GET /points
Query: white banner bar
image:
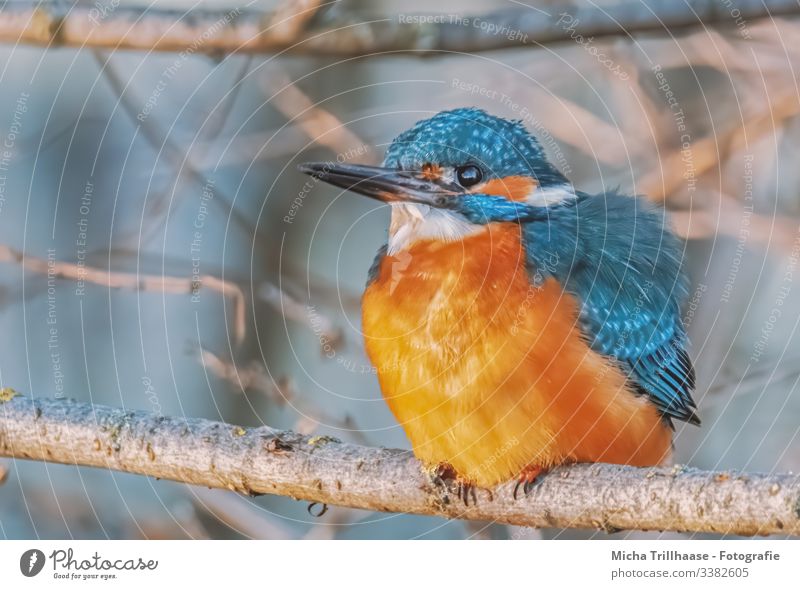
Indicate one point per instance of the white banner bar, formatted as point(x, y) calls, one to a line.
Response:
point(401, 564)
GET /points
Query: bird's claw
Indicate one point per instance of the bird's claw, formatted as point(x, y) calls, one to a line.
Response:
point(445, 476)
point(528, 479)
point(466, 490)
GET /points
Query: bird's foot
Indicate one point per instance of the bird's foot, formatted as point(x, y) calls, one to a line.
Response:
point(528, 479)
point(445, 476)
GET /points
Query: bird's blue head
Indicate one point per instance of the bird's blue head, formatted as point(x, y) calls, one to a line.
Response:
point(454, 172)
point(453, 139)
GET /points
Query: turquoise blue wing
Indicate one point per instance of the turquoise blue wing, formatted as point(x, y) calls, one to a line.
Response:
point(617, 257)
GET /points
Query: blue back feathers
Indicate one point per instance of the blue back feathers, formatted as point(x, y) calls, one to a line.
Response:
point(617, 256)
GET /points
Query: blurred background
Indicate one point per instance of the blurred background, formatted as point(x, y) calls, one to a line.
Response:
point(135, 183)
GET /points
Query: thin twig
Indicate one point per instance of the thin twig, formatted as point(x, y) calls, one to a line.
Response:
point(80, 274)
point(240, 516)
point(177, 157)
point(281, 392)
point(319, 124)
point(330, 336)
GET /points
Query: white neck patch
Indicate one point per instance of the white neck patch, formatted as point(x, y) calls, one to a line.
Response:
point(550, 195)
point(413, 222)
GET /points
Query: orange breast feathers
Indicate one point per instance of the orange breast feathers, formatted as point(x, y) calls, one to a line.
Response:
point(489, 372)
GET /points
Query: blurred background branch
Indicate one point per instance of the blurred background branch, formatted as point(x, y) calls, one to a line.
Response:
point(80, 274)
point(289, 29)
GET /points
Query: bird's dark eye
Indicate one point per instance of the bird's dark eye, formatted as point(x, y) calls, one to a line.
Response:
point(468, 175)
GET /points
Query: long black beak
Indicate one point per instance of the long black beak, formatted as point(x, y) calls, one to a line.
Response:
point(384, 184)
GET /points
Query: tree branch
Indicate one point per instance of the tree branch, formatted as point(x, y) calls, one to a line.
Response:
point(264, 460)
point(208, 31)
point(280, 301)
point(82, 274)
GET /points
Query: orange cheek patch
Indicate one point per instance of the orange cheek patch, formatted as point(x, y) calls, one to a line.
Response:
point(431, 171)
point(516, 188)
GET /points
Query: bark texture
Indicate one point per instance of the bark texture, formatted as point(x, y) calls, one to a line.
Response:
point(324, 470)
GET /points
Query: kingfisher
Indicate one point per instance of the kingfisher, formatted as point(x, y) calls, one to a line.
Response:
point(516, 323)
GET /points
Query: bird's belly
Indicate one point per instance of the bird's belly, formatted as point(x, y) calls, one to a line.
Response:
point(488, 372)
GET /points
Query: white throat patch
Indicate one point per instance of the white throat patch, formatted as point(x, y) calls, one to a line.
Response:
point(413, 222)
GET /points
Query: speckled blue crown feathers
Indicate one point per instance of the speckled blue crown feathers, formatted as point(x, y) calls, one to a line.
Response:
point(501, 147)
